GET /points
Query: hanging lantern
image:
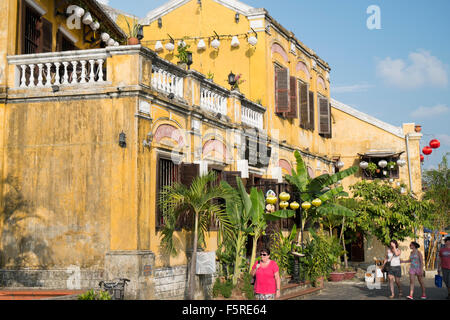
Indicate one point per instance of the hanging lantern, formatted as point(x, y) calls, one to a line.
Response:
point(422, 158)
point(201, 45)
point(105, 37)
point(235, 42)
point(294, 205)
point(76, 10)
point(435, 143)
point(181, 43)
point(116, 44)
point(284, 204)
point(170, 46)
point(363, 165)
point(94, 25)
point(87, 18)
point(284, 196)
point(401, 163)
point(340, 164)
point(253, 40)
point(215, 43)
point(316, 202)
point(306, 205)
point(158, 46)
point(427, 150)
point(111, 42)
point(271, 199)
point(382, 164)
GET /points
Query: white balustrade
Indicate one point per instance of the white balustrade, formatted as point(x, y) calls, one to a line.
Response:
point(167, 82)
point(252, 117)
point(213, 101)
point(60, 68)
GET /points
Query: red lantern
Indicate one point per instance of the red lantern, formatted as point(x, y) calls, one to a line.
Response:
point(427, 150)
point(422, 158)
point(435, 143)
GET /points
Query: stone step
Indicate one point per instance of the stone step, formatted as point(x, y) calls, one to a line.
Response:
point(300, 293)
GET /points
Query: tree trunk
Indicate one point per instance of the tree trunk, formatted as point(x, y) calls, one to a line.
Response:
point(191, 285)
point(343, 243)
point(237, 260)
point(253, 257)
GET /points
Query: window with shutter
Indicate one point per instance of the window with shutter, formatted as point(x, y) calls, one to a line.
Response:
point(30, 29)
point(311, 122)
point(324, 117)
point(46, 38)
point(168, 175)
point(304, 105)
point(293, 98)
point(63, 43)
point(281, 90)
point(230, 177)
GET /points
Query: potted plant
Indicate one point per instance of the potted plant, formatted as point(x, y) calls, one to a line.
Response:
point(336, 251)
point(391, 165)
point(418, 128)
point(133, 31)
point(183, 54)
point(210, 76)
point(372, 168)
point(349, 273)
point(237, 83)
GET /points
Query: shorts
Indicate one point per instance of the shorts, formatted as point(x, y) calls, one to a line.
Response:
point(395, 271)
point(417, 272)
point(446, 276)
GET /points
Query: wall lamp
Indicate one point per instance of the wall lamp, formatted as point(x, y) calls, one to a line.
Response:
point(148, 142)
point(160, 22)
point(236, 17)
point(231, 79)
point(140, 34)
point(171, 95)
point(189, 59)
point(122, 140)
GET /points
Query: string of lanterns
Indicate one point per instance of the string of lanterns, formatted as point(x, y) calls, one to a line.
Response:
point(201, 44)
point(284, 197)
point(427, 150)
point(87, 19)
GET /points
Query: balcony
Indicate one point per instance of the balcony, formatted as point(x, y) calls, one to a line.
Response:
point(132, 68)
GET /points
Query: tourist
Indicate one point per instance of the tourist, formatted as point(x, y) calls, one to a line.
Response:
point(392, 262)
point(415, 269)
point(267, 284)
point(444, 264)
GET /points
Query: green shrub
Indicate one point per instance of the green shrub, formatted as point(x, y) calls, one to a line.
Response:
point(247, 287)
point(280, 251)
point(93, 295)
point(222, 288)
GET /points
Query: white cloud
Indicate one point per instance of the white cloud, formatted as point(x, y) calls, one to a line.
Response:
point(103, 1)
point(351, 88)
point(421, 69)
point(424, 112)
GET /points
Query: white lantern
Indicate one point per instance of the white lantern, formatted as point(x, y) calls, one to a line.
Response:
point(253, 40)
point(95, 25)
point(170, 46)
point(382, 164)
point(235, 42)
point(401, 162)
point(116, 44)
point(182, 43)
point(201, 45)
point(215, 43)
point(402, 190)
point(363, 164)
point(391, 180)
point(87, 18)
point(158, 46)
point(105, 37)
point(340, 164)
point(111, 42)
point(76, 10)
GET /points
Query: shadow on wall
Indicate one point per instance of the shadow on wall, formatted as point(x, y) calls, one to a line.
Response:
point(20, 246)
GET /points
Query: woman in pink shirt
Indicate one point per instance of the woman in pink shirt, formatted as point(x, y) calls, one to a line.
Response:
point(267, 284)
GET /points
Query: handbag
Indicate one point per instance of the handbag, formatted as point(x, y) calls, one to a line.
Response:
point(438, 280)
point(387, 265)
point(254, 277)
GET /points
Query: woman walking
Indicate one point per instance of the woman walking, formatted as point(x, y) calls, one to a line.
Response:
point(416, 269)
point(267, 284)
point(394, 270)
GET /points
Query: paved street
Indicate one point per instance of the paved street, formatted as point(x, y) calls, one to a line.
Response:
point(357, 290)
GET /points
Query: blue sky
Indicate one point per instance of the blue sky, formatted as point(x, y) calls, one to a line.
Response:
point(399, 73)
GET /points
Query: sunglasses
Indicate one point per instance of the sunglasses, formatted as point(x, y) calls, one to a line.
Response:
point(264, 254)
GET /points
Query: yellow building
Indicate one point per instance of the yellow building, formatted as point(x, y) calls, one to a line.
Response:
point(91, 131)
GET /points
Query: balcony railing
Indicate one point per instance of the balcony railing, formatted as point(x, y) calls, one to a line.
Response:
point(60, 68)
point(252, 114)
point(212, 100)
point(166, 79)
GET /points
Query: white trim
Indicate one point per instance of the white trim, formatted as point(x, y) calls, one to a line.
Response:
point(398, 131)
point(67, 34)
point(36, 7)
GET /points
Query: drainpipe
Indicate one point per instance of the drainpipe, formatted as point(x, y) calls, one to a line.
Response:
point(410, 176)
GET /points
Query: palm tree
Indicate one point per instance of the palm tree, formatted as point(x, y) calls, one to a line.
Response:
point(192, 203)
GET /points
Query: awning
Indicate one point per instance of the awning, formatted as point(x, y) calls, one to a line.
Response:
point(380, 154)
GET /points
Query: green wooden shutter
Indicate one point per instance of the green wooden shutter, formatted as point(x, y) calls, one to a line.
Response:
point(304, 110)
point(324, 117)
point(311, 122)
point(281, 90)
point(293, 105)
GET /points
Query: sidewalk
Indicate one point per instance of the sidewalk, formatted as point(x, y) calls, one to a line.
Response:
point(357, 290)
